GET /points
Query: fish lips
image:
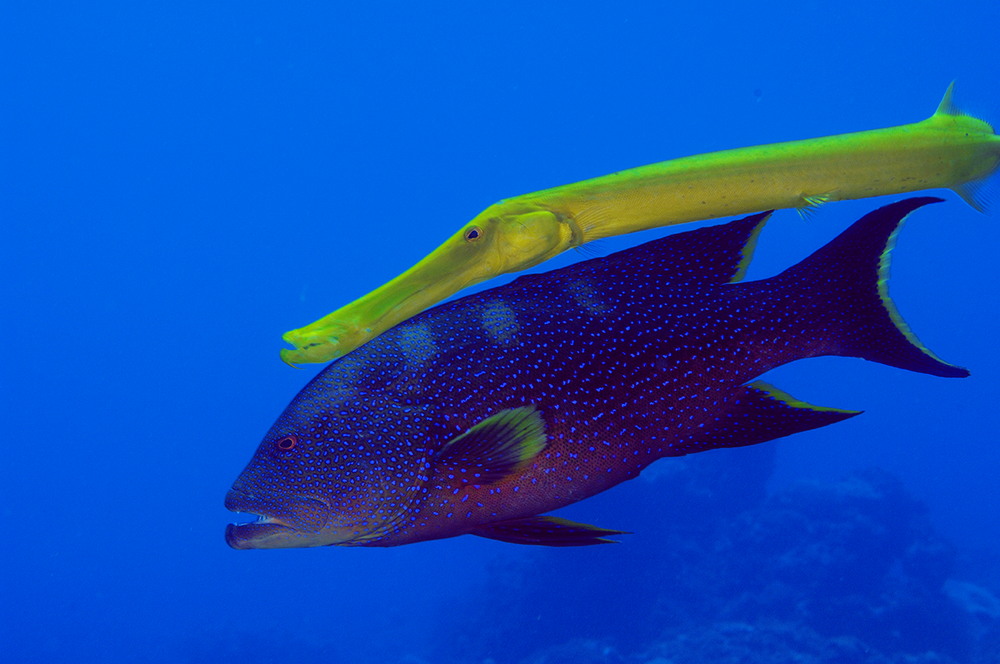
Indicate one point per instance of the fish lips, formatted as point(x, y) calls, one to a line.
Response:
point(258, 535)
point(291, 522)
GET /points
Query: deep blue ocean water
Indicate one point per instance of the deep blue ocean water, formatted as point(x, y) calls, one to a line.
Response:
point(183, 182)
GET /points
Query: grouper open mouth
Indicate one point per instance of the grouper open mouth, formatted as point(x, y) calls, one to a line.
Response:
point(303, 517)
point(247, 535)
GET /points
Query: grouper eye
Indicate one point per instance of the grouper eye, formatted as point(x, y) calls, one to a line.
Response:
point(287, 443)
point(473, 234)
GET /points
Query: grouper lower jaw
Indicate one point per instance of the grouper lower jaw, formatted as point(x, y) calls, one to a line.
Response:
point(261, 535)
point(297, 522)
point(268, 534)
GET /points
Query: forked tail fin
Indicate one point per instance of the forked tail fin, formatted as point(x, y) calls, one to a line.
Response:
point(843, 288)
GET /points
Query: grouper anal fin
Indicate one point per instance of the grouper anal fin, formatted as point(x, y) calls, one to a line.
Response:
point(756, 413)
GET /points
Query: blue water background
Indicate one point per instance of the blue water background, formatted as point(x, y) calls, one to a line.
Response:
point(182, 182)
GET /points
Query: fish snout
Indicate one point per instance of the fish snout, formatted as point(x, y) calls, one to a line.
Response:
point(281, 522)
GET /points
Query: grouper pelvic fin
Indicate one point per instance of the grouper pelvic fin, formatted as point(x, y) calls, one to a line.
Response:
point(494, 448)
point(756, 413)
point(547, 531)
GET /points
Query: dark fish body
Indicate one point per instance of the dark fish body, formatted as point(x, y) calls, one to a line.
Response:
point(481, 415)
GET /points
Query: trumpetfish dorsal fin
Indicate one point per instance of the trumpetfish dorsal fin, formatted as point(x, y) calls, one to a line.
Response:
point(947, 106)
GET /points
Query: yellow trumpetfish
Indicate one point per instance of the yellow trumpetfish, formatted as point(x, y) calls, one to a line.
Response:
point(947, 150)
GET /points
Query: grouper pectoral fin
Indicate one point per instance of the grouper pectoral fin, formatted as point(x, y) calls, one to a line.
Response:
point(547, 531)
point(494, 448)
point(756, 413)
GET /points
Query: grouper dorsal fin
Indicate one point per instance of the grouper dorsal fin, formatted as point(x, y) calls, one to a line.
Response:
point(494, 448)
point(715, 254)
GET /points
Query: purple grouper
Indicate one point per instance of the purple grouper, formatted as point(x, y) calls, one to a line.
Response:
point(481, 415)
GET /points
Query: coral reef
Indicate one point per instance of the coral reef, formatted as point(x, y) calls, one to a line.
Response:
point(722, 572)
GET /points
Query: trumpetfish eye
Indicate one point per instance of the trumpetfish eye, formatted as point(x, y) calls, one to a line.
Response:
point(287, 443)
point(473, 234)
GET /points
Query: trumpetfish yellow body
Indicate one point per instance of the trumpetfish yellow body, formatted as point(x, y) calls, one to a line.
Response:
point(947, 150)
